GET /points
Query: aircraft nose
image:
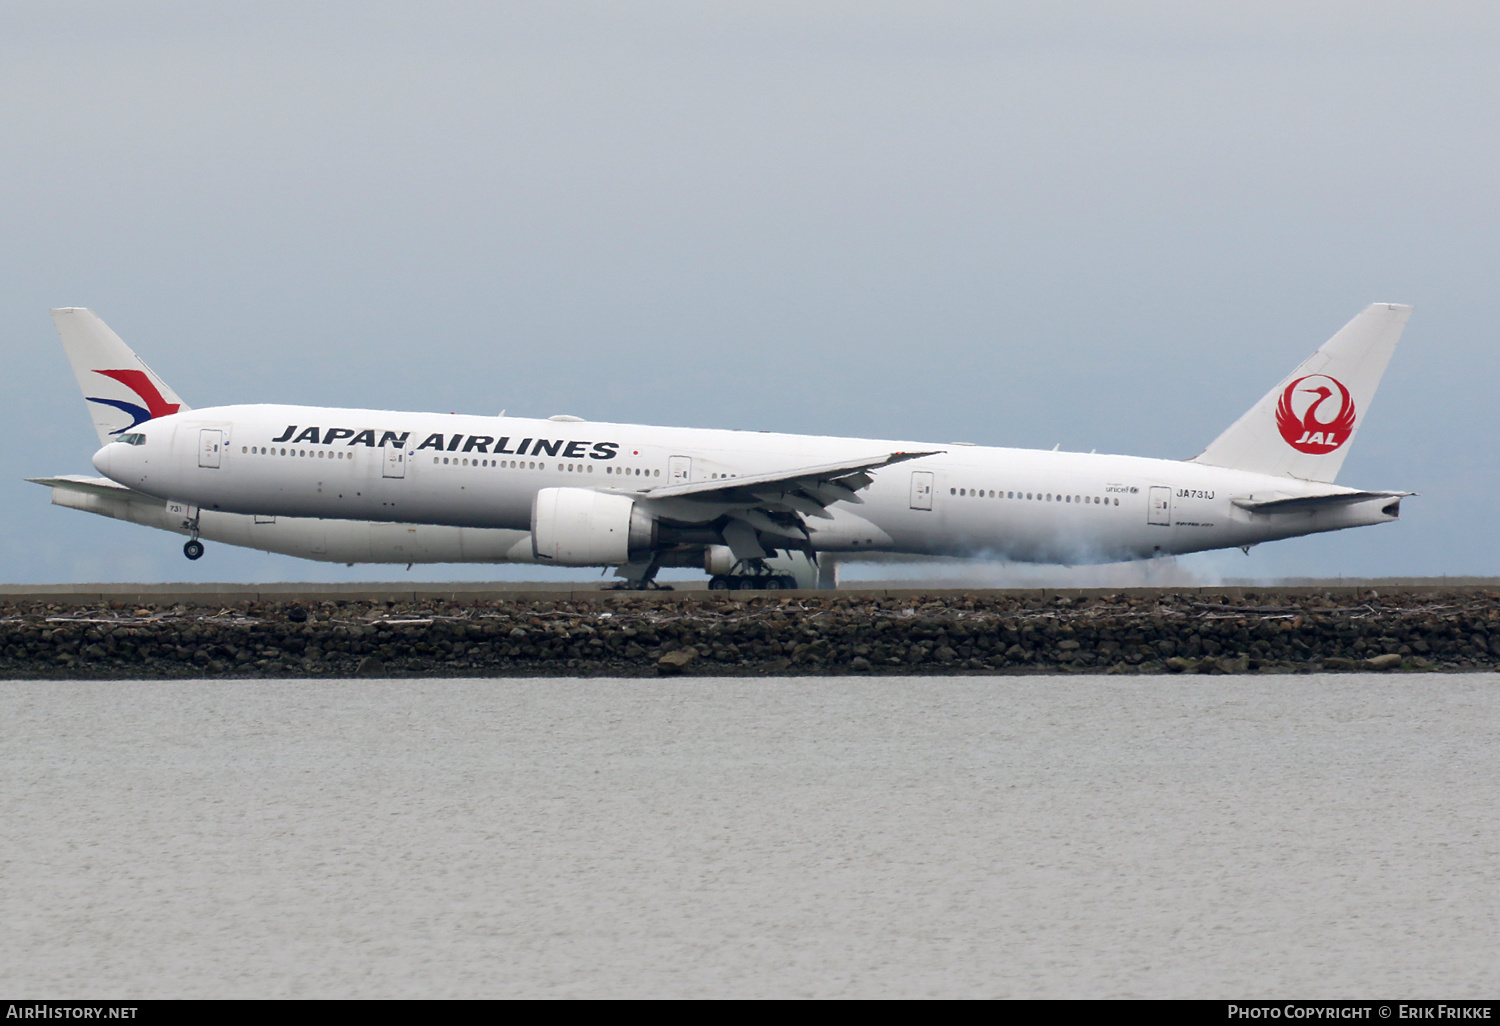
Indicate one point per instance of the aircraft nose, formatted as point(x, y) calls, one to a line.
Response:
point(101, 459)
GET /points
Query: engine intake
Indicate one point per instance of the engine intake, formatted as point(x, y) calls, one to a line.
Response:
point(582, 527)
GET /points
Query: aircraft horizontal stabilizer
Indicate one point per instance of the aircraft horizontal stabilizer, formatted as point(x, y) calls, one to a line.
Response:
point(78, 483)
point(1305, 503)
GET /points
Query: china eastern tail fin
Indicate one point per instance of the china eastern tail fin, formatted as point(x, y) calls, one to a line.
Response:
point(1303, 427)
point(121, 391)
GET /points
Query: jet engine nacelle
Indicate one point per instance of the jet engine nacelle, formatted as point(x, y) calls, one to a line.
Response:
point(582, 527)
point(719, 560)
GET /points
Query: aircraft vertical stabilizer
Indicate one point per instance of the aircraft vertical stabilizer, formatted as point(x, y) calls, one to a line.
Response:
point(121, 391)
point(1304, 426)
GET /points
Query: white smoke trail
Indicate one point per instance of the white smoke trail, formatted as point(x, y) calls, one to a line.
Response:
point(1200, 570)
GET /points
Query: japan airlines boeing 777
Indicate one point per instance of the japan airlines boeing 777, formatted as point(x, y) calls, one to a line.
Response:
point(639, 498)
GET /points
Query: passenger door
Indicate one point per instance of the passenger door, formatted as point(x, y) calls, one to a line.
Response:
point(680, 468)
point(921, 489)
point(1160, 510)
point(395, 461)
point(210, 447)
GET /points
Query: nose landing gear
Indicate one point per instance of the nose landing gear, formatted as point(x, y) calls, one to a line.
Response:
point(192, 548)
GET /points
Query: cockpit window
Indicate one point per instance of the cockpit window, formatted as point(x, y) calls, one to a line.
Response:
point(133, 439)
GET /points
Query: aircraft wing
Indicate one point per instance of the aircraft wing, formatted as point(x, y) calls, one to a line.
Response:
point(1308, 503)
point(848, 476)
point(773, 504)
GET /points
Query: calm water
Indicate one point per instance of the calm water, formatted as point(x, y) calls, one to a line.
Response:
point(1221, 836)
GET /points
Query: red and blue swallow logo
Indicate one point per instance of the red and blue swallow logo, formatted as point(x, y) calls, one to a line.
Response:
point(141, 385)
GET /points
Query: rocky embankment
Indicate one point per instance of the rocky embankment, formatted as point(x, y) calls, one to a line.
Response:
point(819, 633)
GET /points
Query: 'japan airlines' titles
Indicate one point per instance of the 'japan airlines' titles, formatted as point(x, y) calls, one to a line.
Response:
point(439, 442)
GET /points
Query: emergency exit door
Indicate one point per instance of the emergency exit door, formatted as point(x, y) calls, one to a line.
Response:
point(921, 489)
point(680, 469)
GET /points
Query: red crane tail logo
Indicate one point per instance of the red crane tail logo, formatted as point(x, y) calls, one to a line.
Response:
point(1303, 405)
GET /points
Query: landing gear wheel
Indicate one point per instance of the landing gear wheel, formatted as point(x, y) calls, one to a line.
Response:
point(718, 582)
point(193, 549)
point(788, 582)
point(770, 583)
point(746, 583)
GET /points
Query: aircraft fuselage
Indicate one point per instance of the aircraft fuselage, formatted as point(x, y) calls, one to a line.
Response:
point(474, 471)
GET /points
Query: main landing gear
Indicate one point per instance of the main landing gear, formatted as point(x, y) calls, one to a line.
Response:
point(752, 575)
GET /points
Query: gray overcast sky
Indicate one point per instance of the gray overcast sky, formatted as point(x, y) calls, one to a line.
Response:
point(1107, 226)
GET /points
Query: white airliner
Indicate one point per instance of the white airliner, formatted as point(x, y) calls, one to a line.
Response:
point(567, 492)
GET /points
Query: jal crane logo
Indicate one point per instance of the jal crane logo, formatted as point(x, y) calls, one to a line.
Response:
point(1314, 417)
